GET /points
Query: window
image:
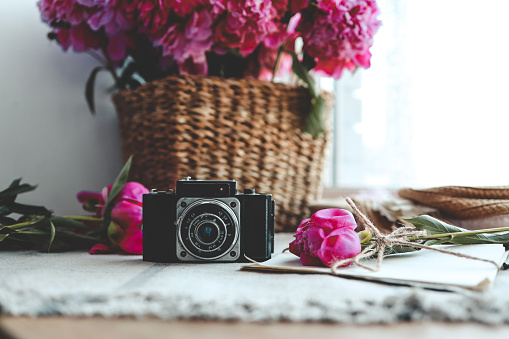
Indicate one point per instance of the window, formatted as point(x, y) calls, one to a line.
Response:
point(433, 108)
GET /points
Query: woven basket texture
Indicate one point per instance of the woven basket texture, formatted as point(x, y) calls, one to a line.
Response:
point(214, 128)
point(462, 202)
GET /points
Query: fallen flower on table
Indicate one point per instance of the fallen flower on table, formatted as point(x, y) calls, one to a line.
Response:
point(329, 235)
point(327, 238)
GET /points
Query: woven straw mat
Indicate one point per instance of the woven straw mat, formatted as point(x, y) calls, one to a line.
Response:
point(462, 202)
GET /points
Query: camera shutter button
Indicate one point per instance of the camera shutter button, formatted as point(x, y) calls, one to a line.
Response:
point(249, 191)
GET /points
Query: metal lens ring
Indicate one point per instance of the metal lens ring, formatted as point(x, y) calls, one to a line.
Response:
point(207, 232)
point(208, 229)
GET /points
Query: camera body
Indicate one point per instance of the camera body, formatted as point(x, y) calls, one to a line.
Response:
point(207, 221)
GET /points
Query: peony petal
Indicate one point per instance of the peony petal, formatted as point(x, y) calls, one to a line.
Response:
point(308, 260)
point(91, 201)
point(131, 191)
point(363, 60)
point(127, 215)
point(334, 218)
point(295, 248)
point(132, 242)
point(117, 47)
point(85, 196)
point(102, 249)
point(101, 18)
point(314, 237)
point(302, 225)
point(129, 240)
point(294, 22)
point(340, 244)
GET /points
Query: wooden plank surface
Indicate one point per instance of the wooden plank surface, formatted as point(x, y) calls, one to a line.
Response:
point(127, 328)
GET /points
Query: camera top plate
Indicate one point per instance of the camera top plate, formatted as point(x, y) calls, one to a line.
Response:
point(206, 188)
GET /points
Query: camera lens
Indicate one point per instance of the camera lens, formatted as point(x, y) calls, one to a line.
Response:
point(208, 229)
point(207, 233)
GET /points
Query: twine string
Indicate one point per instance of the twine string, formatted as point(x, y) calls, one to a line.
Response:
point(381, 241)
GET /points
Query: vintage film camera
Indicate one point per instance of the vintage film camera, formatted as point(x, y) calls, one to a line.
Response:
point(207, 220)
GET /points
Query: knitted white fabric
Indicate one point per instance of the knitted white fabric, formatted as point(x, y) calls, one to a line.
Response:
point(80, 284)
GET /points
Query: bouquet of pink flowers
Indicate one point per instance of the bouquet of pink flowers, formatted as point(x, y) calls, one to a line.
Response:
point(142, 40)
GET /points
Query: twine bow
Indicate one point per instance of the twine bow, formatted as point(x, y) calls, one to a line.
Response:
point(381, 241)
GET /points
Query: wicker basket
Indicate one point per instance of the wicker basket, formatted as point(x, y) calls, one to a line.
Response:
point(215, 128)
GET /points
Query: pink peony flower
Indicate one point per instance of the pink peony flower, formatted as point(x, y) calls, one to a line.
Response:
point(338, 34)
point(185, 7)
point(64, 11)
point(80, 38)
point(327, 237)
point(246, 24)
point(111, 18)
point(88, 24)
point(124, 231)
point(189, 40)
point(149, 15)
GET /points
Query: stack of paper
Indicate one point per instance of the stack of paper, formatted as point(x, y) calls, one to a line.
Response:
point(424, 268)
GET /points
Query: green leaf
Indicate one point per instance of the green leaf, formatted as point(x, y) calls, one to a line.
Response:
point(395, 249)
point(117, 186)
point(76, 236)
point(456, 235)
point(16, 182)
point(3, 237)
point(300, 70)
point(9, 194)
point(315, 124)
point(62, 222)
point(29, 209)
point(32, 231)
point(7, 220)
point(89, 87)
point(308, 61)
point(52, 234)
point(127, 74)
point(437, 241)
point(433, 226)
point(500, 238)
point(27, 223)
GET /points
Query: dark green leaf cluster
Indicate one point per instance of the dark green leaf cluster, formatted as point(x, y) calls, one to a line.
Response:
point(25, 226)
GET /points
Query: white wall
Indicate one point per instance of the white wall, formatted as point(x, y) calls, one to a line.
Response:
point(47, 135)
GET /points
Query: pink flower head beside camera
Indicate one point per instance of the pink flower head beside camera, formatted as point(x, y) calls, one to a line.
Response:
point(327, 237)
point(124, 231)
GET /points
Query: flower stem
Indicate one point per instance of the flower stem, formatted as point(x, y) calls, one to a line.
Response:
point(460, 234)
point(83, 218)
point(111, 68)
point(22, 224)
